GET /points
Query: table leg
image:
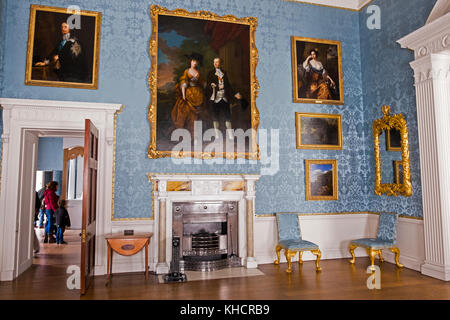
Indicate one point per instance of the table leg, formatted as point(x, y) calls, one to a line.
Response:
point(110, 264)
point(146, 260)
point(107, 265)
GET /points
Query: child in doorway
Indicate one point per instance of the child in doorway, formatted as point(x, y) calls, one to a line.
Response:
point(62, 221)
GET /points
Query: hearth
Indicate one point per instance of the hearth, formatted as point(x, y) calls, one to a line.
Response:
point(208, 234)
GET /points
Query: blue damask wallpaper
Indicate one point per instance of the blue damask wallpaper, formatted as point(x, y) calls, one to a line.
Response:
point(388, 79)
point(50, 154)
point(2, 48)
point(125, 63)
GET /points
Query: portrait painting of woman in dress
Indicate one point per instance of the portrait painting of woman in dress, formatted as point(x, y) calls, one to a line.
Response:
point(190, 101)
point(203, 81)
point(317, 71)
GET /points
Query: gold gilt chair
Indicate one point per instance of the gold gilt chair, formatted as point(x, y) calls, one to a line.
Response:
point(386, 239)
point(290, 239)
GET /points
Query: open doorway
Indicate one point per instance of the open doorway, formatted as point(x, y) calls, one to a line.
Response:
point(60, 159)
point(24, 121)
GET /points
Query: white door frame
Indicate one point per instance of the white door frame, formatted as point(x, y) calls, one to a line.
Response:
point(22, 114)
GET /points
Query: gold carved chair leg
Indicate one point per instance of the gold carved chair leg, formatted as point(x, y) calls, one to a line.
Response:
point(300, 253)
point(372, 253)
point(397, 256)
point(352, 252)
point(318, 254)
point(380, 256)
point(289, 255)
point(277, 250)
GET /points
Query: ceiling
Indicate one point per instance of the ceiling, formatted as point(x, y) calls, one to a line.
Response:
point(344, 4)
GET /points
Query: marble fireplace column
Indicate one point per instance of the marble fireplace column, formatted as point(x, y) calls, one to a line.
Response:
point(250, 197)
point(162, 266)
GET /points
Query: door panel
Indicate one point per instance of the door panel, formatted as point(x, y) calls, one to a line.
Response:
point(88, 224)
point(25, 228)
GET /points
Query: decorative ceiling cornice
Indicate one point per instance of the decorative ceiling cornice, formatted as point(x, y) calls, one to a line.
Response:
point(433, 37)
point(353, 5)
point(441, 8)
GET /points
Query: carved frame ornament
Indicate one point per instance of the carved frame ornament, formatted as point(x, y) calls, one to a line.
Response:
point(252, 22)
point(385, 123)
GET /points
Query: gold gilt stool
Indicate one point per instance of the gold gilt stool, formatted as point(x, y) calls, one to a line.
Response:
point(290, 239)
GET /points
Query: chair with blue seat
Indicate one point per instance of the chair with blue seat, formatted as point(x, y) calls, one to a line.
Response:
point(386, 239)
point(290, 239)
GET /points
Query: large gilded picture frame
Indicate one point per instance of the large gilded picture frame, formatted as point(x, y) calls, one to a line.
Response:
point(63, 47)
point(321, 179)
point(318, 131)
point(317, 71)
point(186, 49)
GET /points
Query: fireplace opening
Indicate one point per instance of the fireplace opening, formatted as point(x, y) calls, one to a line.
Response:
point(208, 232)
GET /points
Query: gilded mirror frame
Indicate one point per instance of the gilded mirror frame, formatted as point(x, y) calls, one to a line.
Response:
point(252, 22)
point(385, 123)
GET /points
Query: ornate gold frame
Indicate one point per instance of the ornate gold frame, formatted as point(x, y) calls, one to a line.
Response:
point(385, 123)
point(295, 71)
point(153, 153)
point(30, 49)
point(308, 180)
point(298, 126)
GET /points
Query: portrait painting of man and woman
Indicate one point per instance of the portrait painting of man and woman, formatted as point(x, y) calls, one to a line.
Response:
point(203, 85)
point(317, 71)
point(63, 47)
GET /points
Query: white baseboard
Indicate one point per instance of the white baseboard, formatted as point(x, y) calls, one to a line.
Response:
point(24, 266)
point(436, 271)
point(307, 256)
point(332, 233)
point(7, 275)
point(409, 262)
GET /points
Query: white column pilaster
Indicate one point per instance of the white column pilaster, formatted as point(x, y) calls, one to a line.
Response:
point(250, 261)
point(432, 82)
point(162, 266)
point(431, 46)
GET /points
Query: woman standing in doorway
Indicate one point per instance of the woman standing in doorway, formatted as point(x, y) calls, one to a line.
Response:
point(51, 204)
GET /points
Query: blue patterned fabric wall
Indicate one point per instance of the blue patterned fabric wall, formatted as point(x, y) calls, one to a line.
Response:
point(124, 67)
point(388, 80)
point(50, 154)
point(2, 48)
point(124, 64)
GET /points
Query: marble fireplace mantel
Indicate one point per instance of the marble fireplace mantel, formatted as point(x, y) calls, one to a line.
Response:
point(170, 188)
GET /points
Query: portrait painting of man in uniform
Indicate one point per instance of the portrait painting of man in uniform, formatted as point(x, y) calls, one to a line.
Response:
point(202, 85)
point(317, 71)
point(63, 47)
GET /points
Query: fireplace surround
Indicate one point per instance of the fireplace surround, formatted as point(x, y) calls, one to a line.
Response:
point(203, 209)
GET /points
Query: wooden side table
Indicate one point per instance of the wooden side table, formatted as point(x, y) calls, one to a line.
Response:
point(126, 246)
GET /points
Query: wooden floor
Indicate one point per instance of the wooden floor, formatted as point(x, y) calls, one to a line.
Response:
point(46, 279)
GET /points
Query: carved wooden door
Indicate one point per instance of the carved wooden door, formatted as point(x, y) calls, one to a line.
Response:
point(88, 223)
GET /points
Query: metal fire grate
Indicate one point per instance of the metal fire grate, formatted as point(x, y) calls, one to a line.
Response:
point(208, 234)
point(205, 240)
